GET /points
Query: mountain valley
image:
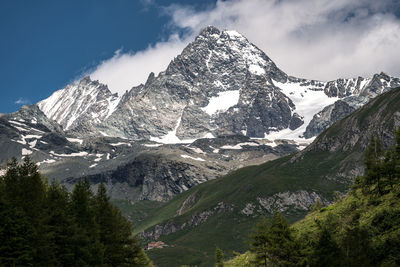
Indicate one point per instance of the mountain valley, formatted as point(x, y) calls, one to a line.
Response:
point(203, 149)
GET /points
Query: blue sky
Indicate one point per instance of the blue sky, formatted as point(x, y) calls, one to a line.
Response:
point(48, 44)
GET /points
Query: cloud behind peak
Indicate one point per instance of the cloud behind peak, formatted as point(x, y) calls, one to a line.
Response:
point(319, 39)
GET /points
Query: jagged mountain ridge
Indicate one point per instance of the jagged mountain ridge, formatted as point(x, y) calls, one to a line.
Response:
point(220, 84)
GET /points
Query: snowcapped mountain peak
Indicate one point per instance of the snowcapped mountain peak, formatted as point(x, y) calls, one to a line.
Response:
point(218, 85)
point(221, 84)
point(82, 100)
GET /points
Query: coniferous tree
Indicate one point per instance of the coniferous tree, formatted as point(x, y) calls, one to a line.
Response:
point(356, 246)
point(115, 232)
point(283, 250)
point(373, 160)
point(15, 248)
point(396, 158)
point(25, 189)
point(273, 242)
point(106, 219)
point(61, 224)
point(219, 257)
point(326, 252)
point(397, 145)
point(87, 246)
point(259, 243)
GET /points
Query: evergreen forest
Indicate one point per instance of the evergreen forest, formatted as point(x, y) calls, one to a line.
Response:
point(43, 224)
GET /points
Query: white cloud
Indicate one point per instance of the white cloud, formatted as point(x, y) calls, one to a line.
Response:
point(319, 39)
point(123, 71)
point(22, 101)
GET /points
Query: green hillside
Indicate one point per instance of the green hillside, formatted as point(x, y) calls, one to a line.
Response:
point(211, 214)
point(364, 227)
point(361, 229)
point(229, 229)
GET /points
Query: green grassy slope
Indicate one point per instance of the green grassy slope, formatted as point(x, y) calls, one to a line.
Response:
point(229, 230)
point(321, 168)
point(379, 215)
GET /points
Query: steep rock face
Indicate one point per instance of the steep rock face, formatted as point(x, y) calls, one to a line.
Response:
point(284, 202)
point(32, 116)
point(345, 87)
point(327, 117)
point(220, 84)
point(195, 220)
point(299, 200)
point(154, 177)
point(83, 101)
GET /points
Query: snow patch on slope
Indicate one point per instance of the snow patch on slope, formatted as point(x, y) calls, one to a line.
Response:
point(189, 157)
point(152, 145)
point(26, 152)
point(235, 34)
point(256, 69)
point(121, 144)
point(77, 154)
point(47, 161)
point(171, 138)
point(222, 102)
point(308, 103)
point(75, 140)
point(239, 146)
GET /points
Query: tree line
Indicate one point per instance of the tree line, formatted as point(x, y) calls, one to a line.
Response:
point(43, 224)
